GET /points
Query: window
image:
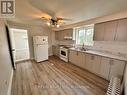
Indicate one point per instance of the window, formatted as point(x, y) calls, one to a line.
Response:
point(84, 35)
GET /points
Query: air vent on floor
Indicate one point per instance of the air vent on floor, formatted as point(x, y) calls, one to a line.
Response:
point(114, 86)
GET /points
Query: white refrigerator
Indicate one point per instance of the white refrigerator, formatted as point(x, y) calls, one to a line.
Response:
point(40, 48)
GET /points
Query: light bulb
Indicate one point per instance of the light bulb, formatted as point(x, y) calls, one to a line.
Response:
point(48, 23)
point(57, 26)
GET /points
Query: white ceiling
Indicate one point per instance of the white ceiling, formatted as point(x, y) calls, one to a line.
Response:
point(28, 11)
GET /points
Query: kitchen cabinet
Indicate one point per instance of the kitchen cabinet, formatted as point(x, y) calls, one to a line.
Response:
point(101, 66)
point(116, 68)
point(110, 29)
point(60, 35)
point(93, 63)
point(99, 32)
point(115, 30)
point(121, 34)
point(72, 56)
point(77, 58)
point(105, 31)
point(105, 68)
point(56, 50)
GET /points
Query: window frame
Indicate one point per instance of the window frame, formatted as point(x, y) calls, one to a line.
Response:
point(76, 34)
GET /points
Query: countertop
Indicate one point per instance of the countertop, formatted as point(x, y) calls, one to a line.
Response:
point(101, 54)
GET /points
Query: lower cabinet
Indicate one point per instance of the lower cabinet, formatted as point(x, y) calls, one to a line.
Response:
point(101, 66)
point(77, 58)
point(116, 68)
point(111, 67)
point(93, 63)
point(56, 50)
point(105, 68)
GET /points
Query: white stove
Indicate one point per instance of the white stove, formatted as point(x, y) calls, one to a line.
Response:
point(64, 53)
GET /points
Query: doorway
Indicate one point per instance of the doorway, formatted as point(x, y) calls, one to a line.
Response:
point(20, 45)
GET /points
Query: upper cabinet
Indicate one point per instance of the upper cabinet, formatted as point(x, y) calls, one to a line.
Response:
point(110, 30)
point(99, 32)
point(115, 30)
point(121, 34)
point(64, 34)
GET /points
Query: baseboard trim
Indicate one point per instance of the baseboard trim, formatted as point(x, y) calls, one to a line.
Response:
point(10, 83)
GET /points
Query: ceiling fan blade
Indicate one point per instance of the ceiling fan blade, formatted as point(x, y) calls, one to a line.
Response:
point(67, 19)
point(44, 18)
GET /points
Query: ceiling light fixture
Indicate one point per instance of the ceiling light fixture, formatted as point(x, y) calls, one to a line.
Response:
point(57, 25)
point(53, 23)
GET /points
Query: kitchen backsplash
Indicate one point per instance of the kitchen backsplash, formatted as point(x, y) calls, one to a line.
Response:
point(117, 48)
point(113, 47)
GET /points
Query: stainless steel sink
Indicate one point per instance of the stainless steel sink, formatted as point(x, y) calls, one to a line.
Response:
point(83, 49)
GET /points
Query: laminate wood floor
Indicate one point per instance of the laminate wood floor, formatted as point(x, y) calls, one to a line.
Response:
point(55, 77)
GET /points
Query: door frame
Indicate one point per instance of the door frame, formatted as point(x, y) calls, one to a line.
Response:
point(10, 47)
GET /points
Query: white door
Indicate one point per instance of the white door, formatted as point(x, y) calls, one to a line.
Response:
point(41, 52)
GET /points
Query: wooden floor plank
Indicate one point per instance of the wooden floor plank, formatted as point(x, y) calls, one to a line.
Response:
point(55, 77)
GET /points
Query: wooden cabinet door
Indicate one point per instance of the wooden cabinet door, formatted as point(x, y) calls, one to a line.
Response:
point(121, 34)
point(110, 28)
point(83, 60)
point(105, 68)
point(93, 63)
point(77, 58)
point(69, 32)
point(80, 59)
point(117, 68)
point(60, 35)
point(89, 63)
point(99, 32)
point(72, 56)
point(96, 64)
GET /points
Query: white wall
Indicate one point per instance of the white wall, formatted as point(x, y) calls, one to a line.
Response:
point(34, 31)
point(5, 63)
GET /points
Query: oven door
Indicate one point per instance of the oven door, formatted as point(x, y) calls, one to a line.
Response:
point(64, 52)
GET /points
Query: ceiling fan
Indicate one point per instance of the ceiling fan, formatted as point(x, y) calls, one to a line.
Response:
point(55, 21)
